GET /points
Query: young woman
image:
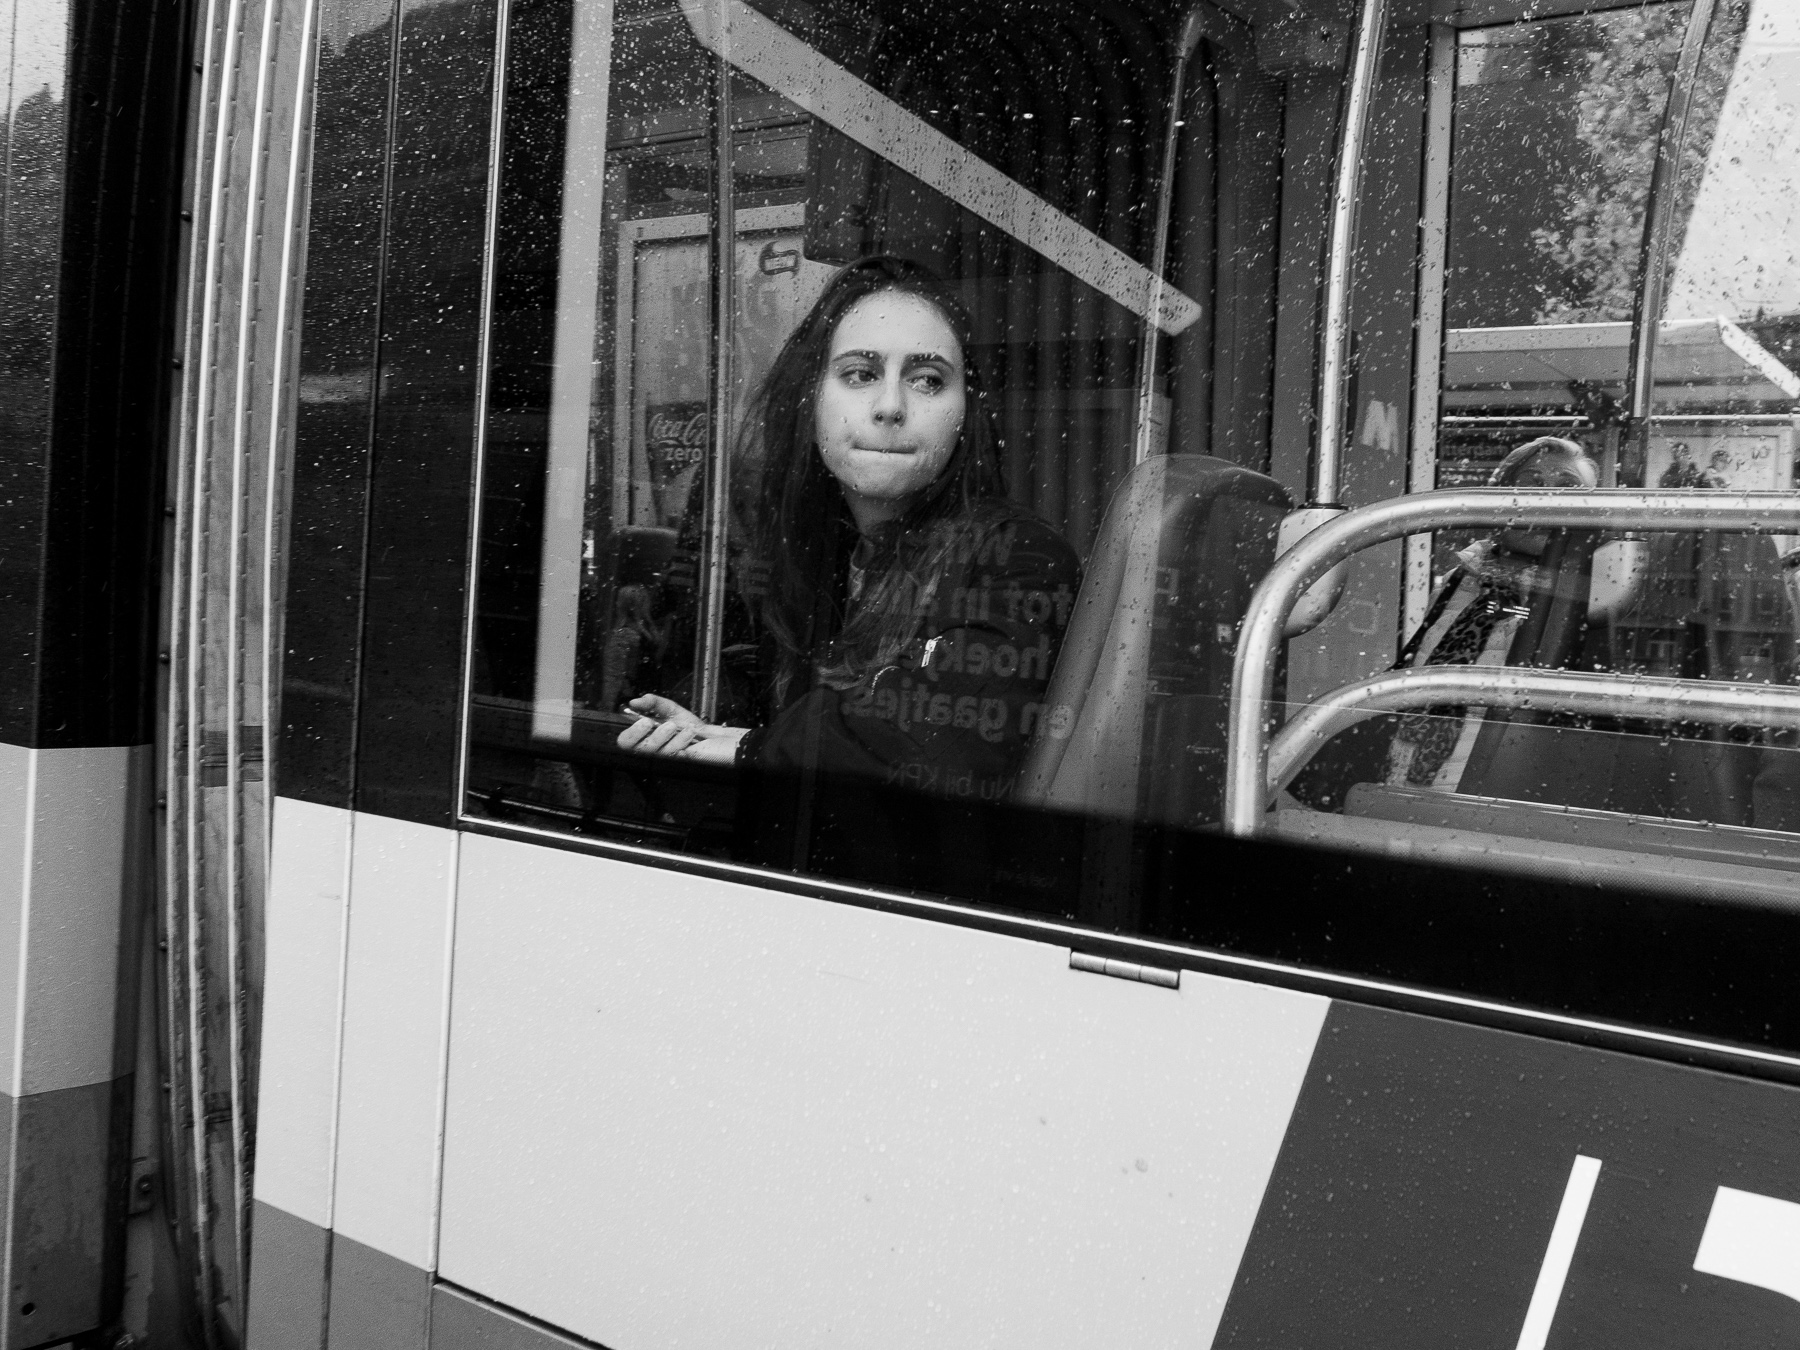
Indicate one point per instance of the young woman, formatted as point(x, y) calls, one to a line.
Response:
point(912, 614)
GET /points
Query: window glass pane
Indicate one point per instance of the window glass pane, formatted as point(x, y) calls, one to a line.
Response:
point(1555, 138)
point(1555, 129)
point(1737, 254)
point(882, 411)
point(857, 560)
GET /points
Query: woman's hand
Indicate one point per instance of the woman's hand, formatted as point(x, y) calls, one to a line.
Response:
point(664, 727)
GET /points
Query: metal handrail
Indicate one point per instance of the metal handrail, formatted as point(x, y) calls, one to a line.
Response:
point(1259, 640)
point(715, 482)
point(1716, 702)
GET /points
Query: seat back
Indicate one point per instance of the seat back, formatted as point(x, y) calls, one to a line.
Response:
point(1136, 720)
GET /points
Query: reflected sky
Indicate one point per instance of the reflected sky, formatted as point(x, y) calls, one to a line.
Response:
point(34, 42)
point(341, 20)
point(1742, 251)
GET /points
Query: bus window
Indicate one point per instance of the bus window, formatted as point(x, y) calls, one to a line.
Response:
point(696, 508)
point(1644, 317)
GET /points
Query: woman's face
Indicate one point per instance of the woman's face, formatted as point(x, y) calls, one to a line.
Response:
point(1552, 469)
point(890, 403)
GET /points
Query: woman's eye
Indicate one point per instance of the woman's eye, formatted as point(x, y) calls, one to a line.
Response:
point(857, 376)
point(927, 381)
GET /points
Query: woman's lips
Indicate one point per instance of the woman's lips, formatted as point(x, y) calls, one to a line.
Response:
point(885, 449)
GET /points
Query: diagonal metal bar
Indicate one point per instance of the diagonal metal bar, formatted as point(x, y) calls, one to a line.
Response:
point(810, 80)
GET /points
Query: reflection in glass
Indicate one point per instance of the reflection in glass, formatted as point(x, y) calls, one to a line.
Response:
point(666, 654)
point(1556, 130)
point(1013, 155)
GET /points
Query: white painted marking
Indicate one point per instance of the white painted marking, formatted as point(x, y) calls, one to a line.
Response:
point(1563, 1236)
point(1753, 1239)
point(836, 97)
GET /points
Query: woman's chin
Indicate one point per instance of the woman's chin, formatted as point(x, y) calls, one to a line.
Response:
point(890, 491)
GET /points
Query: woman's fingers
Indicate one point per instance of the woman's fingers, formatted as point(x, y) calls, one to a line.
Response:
point(662, 734)
point(657, 733)
point(661, 709)
point(658, 738)
point(681, 740)
point(633, 735)
point(659, 721)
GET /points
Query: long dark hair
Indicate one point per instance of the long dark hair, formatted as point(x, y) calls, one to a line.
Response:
point(799, 514)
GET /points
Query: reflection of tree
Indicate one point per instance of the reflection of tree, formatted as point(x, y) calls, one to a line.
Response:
point(1625, 69)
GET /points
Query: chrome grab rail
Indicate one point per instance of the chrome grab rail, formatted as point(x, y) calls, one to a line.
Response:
point(1259, 640)
point(1561, 691)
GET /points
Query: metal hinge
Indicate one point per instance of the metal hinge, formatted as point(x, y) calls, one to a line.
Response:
point(1124, 970)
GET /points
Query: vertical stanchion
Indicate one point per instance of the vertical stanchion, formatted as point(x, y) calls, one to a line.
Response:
point(1659, 225)
point(716, 484)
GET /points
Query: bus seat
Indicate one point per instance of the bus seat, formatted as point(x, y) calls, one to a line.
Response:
point(1136, 721)
point(1684, 773)
point(1564, 763)
point(1550, 637)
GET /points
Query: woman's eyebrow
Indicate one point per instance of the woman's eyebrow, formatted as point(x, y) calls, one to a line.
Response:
point(914, 358)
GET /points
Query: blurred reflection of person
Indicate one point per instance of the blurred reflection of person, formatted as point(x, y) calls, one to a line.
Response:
point(1682, 471)
point(1718, 470)
point(912, 613)
point(1476, 612)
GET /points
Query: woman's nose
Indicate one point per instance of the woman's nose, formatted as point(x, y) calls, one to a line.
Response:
point(890, 404)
